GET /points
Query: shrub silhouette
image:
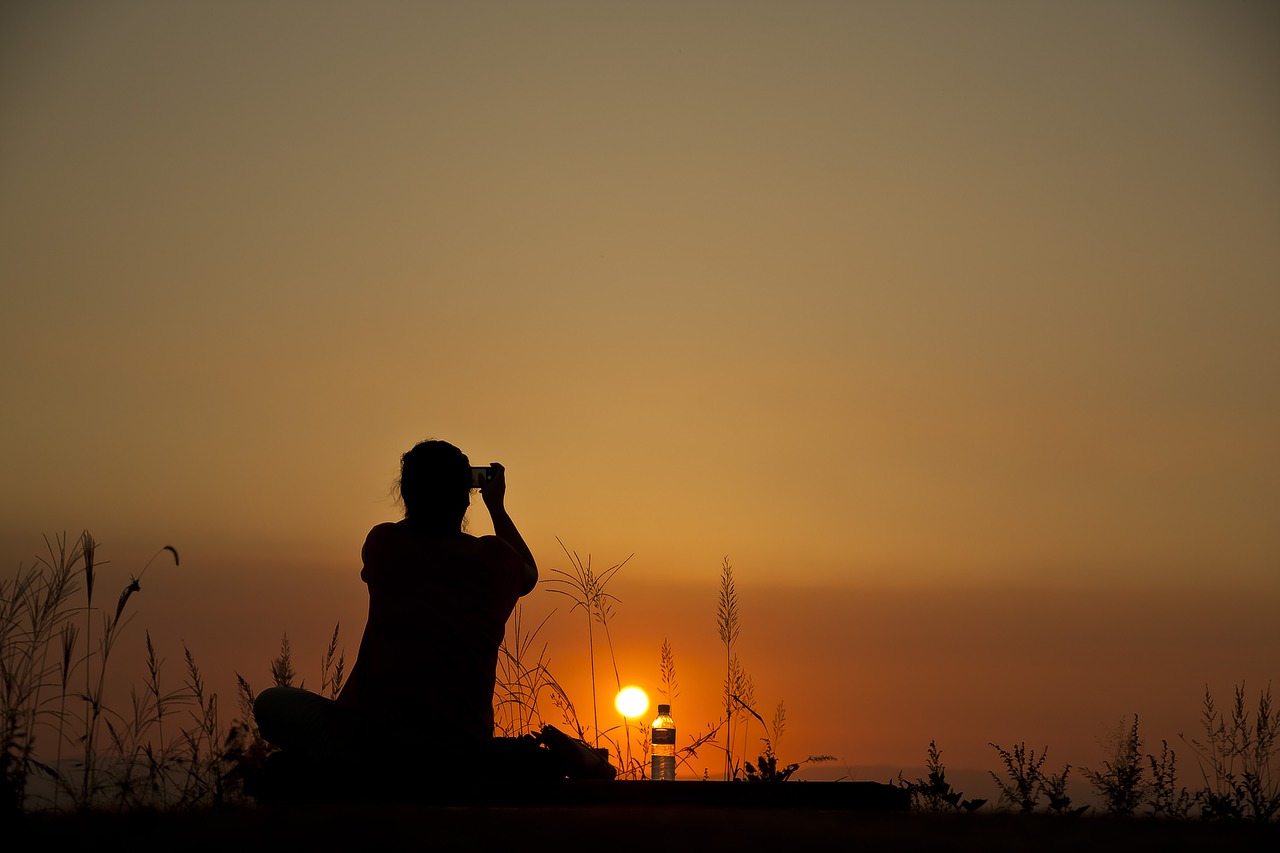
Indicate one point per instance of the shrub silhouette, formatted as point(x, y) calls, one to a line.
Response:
point(1024, 780)
point(1121, 783)
point(935, 794)
point(1237, 759)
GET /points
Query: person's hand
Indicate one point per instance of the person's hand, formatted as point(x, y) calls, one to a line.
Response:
point(494, 490)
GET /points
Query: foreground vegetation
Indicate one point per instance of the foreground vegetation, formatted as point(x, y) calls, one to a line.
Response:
point(170, 750)
point(1236, 758)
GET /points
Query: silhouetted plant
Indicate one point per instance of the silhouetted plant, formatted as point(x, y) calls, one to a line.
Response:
point(206, 753)
point(728, 627)
point(667, 673)
point(766, 767)
point(142, 764)
point(586, 589)
point(1166, 798)
point(38, 620)
point(1237, 760)
point(560, 699)
point(778, 725)
point(282, 671)
point(245, 752)
point(1121, 783)
point(35, 608)
point(95, 690)
point(1055, 788)
point(742, 692)
point(935, 795)
point(332, 666)
point(1024, 780)
point(521, 679)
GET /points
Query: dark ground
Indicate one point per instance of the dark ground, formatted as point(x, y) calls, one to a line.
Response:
point(621, 828)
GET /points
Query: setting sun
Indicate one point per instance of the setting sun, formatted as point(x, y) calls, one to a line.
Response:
point(631, 702)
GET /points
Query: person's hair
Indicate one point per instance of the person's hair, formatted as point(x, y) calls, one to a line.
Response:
point(435, 485)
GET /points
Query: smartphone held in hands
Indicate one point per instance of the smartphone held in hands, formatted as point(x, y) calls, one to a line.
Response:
point(481, 475)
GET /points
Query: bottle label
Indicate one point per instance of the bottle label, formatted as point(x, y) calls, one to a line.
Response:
point(664, 736)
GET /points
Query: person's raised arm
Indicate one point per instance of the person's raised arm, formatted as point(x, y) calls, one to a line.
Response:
point(494, 491)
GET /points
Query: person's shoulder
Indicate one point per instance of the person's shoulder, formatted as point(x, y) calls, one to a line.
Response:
point(498, 550)
point(380, 537)
point(387, 531)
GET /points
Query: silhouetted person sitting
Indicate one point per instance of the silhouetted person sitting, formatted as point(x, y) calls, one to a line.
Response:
point(419, 700)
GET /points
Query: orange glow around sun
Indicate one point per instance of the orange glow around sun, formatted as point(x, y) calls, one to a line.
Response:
point(631, 702)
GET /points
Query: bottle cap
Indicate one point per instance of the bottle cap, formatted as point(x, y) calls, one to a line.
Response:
point(664, 710)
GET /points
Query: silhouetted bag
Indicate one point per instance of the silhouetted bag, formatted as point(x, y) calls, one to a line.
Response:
point(576, 759)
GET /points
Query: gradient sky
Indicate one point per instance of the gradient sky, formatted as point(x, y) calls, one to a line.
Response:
point(928, 315)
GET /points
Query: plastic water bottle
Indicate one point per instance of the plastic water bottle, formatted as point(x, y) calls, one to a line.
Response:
point(664, 745)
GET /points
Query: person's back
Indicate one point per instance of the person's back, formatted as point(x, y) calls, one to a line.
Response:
point(438, 608)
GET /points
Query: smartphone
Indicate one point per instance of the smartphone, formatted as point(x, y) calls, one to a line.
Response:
point(481, 475)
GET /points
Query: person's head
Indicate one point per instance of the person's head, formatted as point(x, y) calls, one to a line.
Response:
point(435, 485)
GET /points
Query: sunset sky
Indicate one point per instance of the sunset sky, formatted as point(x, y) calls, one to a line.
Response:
point(955, 327)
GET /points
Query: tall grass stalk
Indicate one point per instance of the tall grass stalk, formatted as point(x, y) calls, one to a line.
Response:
point(743, 691)
point(204, 753)
point(245, 752)
point(728, 627)
point(34, 607)
point(282, 671)
point(521, 679)
point(112, 626)
point(667, 673)
point(332, 666)
point(586, 589)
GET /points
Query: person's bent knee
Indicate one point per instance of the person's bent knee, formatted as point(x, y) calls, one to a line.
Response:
point(267, 703)
point(294, 718)
point(271, 711)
